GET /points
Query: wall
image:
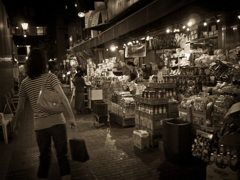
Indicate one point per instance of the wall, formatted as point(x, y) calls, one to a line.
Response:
point(6, 74)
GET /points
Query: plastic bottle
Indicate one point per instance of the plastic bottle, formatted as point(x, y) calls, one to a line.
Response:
point(164, 110)
point(170, 93)
point(221, 149)
point(212, 159)
point(225, 162)
point(218, 162)
point(228, 157)
point(233, 163)
point(156, 110)
point(160, 110)
point(167, 93)
point(174, 92)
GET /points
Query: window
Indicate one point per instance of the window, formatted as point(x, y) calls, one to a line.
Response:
point(32, 12)
point(40, 31)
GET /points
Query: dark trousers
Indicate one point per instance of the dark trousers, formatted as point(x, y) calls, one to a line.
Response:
point(59, 135)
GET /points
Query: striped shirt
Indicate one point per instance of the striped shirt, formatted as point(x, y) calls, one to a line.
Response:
point(31, 87)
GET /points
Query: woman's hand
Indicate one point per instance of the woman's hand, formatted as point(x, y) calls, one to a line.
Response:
point(16, 126)
point(72, 123)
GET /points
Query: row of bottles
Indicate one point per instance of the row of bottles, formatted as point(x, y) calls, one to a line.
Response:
point(157, 94)
point(157, 109)
point(222, 161)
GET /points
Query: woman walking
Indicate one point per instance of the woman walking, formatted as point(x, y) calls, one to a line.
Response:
point(79, 84)
point(47, 126)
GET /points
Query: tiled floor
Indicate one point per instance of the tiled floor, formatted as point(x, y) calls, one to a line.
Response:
point(111, 151)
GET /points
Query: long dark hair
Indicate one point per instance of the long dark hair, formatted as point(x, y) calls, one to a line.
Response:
point(36, 63)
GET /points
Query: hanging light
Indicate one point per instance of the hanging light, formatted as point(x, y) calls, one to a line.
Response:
point(106, 49)
point(184, 27)
point(26, 57)
point(188, 29)
point(113, 48)
point(81, 14)
point(129, 43)
point(189, 23)
point(205, 23)
point(137, 41)
point(16, 27)
point(75, 4)
point(168, 31)
point(238, 16)
point(147, 38)
point(24, 35)
point(24, 26)
point(217, 19)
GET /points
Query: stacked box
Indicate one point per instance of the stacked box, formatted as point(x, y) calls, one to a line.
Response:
point(141, 140)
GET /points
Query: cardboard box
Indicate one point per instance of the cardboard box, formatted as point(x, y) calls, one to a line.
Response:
point(96, 94)
point(213, 27)
point(185, 114)
point(140, 140)
point(215, 173)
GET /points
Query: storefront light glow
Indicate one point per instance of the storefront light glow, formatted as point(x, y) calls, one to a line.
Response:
point(81, 14)
point(189, 23)
point(24, 26)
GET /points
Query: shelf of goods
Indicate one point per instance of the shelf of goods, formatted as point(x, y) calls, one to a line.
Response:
point(153, 107)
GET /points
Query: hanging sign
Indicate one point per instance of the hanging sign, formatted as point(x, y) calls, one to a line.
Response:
point(138, 50)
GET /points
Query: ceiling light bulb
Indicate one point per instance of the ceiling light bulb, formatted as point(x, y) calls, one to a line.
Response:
point(124, 45)
point(106, 49)
point(184, 27)
point(189, 23)
point(147, 38)
point(113, 48)
point(137, 41)
point(205, 23)
point(168, 30)
point(75, 5)
point(25, 35)
point(188, 29)
point(238, 16)
point(133, 41)
point(218, 20)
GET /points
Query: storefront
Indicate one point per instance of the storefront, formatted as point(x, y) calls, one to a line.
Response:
point(186, 66)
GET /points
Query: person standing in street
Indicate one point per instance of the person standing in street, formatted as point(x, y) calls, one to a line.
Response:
point(79, 84)
point(47, 126)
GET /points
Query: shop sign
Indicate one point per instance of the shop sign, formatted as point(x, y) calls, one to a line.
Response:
point(115, 7)
point(138, 50)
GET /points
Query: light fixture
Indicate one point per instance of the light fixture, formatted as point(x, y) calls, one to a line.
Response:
point(129, 43)
point(24, 35)
point(26, 57)
point(66, 7)
point(134, 42)
point(143, 38)
point(68, 73)
point(81, 14)
point(147, 38)
point(238, 16)
point(137, 41)
point(188, 29)
point(37, 27)
point(75, 5)
point(24, 26)
point(113, 48)
point(106, 49)
point(184, 27)
point(168, 31)
point(16, 27)
point(117, 47)
point(124, 45)
point(205, 23)
point(217, 19)
point(189, 23)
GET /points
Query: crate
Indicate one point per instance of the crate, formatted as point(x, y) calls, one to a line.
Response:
point(205, 114)
point(172, 109)
point(215, 173)
point(100, 108)
point(162, 85)
point(186, 112)
point(156, 116)
point(93, 102)
point(140, 140)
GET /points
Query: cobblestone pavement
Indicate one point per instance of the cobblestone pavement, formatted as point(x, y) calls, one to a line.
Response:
point(111, 151)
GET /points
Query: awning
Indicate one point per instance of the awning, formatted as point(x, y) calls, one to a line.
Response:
point(148, 14)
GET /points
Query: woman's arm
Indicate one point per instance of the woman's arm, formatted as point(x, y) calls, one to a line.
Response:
point(20, 108)
point(59, 89)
